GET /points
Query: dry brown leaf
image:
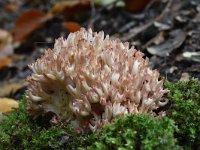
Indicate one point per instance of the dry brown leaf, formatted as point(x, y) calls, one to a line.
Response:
point(6, 48)
point(175, 40)
point(11, 7)
point(28, 22)
point(60, 6)
point(70, 8)
point(135, 5)
point(10, 87)
point(103, 2)
point(185, 76)
point(5, 62)
point(4, 36)
point(72, 26)
point(7, 105)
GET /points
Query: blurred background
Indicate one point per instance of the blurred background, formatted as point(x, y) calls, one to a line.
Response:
point(166, 31)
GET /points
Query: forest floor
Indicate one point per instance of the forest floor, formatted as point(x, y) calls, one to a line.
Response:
point(166, 31)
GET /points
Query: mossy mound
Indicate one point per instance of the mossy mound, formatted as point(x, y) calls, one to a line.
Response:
point(19, 131)
point(185, 111)
point(182, 124)
point(137, 132)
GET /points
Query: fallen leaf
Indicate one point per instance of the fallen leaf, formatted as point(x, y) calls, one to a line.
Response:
point(194, 56)
point(5, 62)
point(10, 87)
point(162, 26)
point(28, 22)
point(72, 26)
point(6, 48)
point(60, 6)
point(69, 8)
point(135, 5)
point(176, 38)
point(185, 76)
point(103, 2)
point(8, 104)
point(11, 7)
point(157, 39)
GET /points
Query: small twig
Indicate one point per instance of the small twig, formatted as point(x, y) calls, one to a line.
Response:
point(165, 11)
point(135, 31)
point(149, 5)
point(126, 26)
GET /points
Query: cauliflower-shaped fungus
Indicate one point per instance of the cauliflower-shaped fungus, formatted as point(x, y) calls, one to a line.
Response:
point(92, 79)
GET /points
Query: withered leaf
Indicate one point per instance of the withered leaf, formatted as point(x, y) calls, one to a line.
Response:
point(176, 38)
point(11, 87)
point(11, 7)
point(6, 48)
point(103, 2)
point(8, 104)
point(135, 5)
point(5, 62)
point(70, 8)
point(193, 56)
point(72, 26)
point(28, 22)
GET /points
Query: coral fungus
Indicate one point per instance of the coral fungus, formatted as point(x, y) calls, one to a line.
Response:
point(92, 79)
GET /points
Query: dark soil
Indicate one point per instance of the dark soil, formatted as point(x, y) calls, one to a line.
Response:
point(165, 31)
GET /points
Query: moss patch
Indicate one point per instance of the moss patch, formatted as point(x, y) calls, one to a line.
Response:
point(185, 110)
point(19, 131)
point(135, 132)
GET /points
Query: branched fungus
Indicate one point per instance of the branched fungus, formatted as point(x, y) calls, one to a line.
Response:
point(92, 79)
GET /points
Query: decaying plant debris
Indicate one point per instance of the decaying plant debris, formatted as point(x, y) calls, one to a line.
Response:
point(149, 30)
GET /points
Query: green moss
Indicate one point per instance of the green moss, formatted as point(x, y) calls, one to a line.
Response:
point(14, 127)
point(136, 132)
point(19, 131)
point(185, 110)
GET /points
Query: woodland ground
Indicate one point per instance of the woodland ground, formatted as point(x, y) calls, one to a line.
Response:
point(167, 31)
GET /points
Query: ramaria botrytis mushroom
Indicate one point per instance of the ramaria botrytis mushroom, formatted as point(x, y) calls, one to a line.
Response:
point(92, 79)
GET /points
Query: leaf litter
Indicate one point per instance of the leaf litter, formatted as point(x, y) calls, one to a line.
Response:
point(166, 31)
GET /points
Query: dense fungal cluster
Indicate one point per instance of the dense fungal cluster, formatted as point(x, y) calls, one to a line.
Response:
point(92, 79)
